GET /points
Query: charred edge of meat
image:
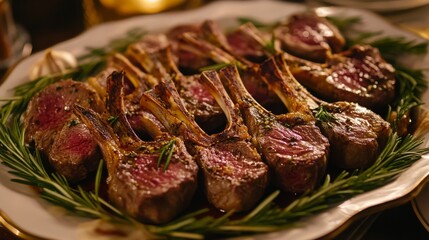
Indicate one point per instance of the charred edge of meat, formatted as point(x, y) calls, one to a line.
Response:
point(136, 183)
point(304, 95)
point(55, 132)
point(176, 121)
point(213, 34)
point(358, 75)
point(140, 80)
point(276, 79)
point(234, 175)
point(357, 135)
point(116, 107)
point(206, 48)
point(235, 126)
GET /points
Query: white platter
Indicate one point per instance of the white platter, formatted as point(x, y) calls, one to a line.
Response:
point(421, 206)
point(25, 210)
point(379, 5)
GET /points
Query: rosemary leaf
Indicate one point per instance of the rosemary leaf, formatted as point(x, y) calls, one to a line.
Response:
point(116, 45)
point(215, 67)
point(323, 115)
point(165, 154)
point(344, 23)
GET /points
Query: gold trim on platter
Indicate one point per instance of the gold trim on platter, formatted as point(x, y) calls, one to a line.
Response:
point(420, 215)
point(410, 196)
point(12, 227)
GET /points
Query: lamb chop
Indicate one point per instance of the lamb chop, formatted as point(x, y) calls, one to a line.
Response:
point(357, 135)
point(141, 181)
point(54, 130)
point(198, 101)
point(249, 43)
point(358, 75)
point(189, 60)
point(291, 144)
point(234, 175)
point(309, 36)
point(135, 83)
point(257, 88)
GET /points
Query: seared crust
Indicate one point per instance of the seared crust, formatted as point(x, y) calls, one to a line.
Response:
point(55, 131)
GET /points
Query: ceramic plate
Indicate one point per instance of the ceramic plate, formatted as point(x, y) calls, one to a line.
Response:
point(380, 5)
point(23, 208)
point(421, 206)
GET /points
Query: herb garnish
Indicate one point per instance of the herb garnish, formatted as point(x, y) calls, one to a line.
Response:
point(116, 45)
point(112, 120)
point(323, 115)
point(215, 67)
point(166, 154)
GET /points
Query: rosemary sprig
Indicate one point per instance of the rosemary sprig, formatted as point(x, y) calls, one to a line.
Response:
point(215, 67)
point(165, 154)
point(116, 45)
point(323, 115)
point(112, 120)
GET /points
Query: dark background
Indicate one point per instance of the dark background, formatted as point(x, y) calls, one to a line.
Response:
point(51, 21)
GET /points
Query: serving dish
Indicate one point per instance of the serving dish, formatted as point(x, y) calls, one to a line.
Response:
point(380, 5)
point(421, 206)
point(37, 217)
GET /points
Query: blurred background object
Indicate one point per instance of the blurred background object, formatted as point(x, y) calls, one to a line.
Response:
point(14, 40)
point(98, 11)
point(377, 5)
point(49, 21)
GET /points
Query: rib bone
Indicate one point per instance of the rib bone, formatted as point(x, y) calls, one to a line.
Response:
point(234, 175)
point(136, 183)
point(294, 148)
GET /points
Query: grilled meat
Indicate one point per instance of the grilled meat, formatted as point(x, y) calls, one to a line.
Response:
point(188, 59)
point(358, 75)
point(135, 83)
point(234, 175)
point(137, 184)
point(309, 36)
point(356, 134)
point(197, 99)
point(54, 130)
point(249, 43)
point(292, 146)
